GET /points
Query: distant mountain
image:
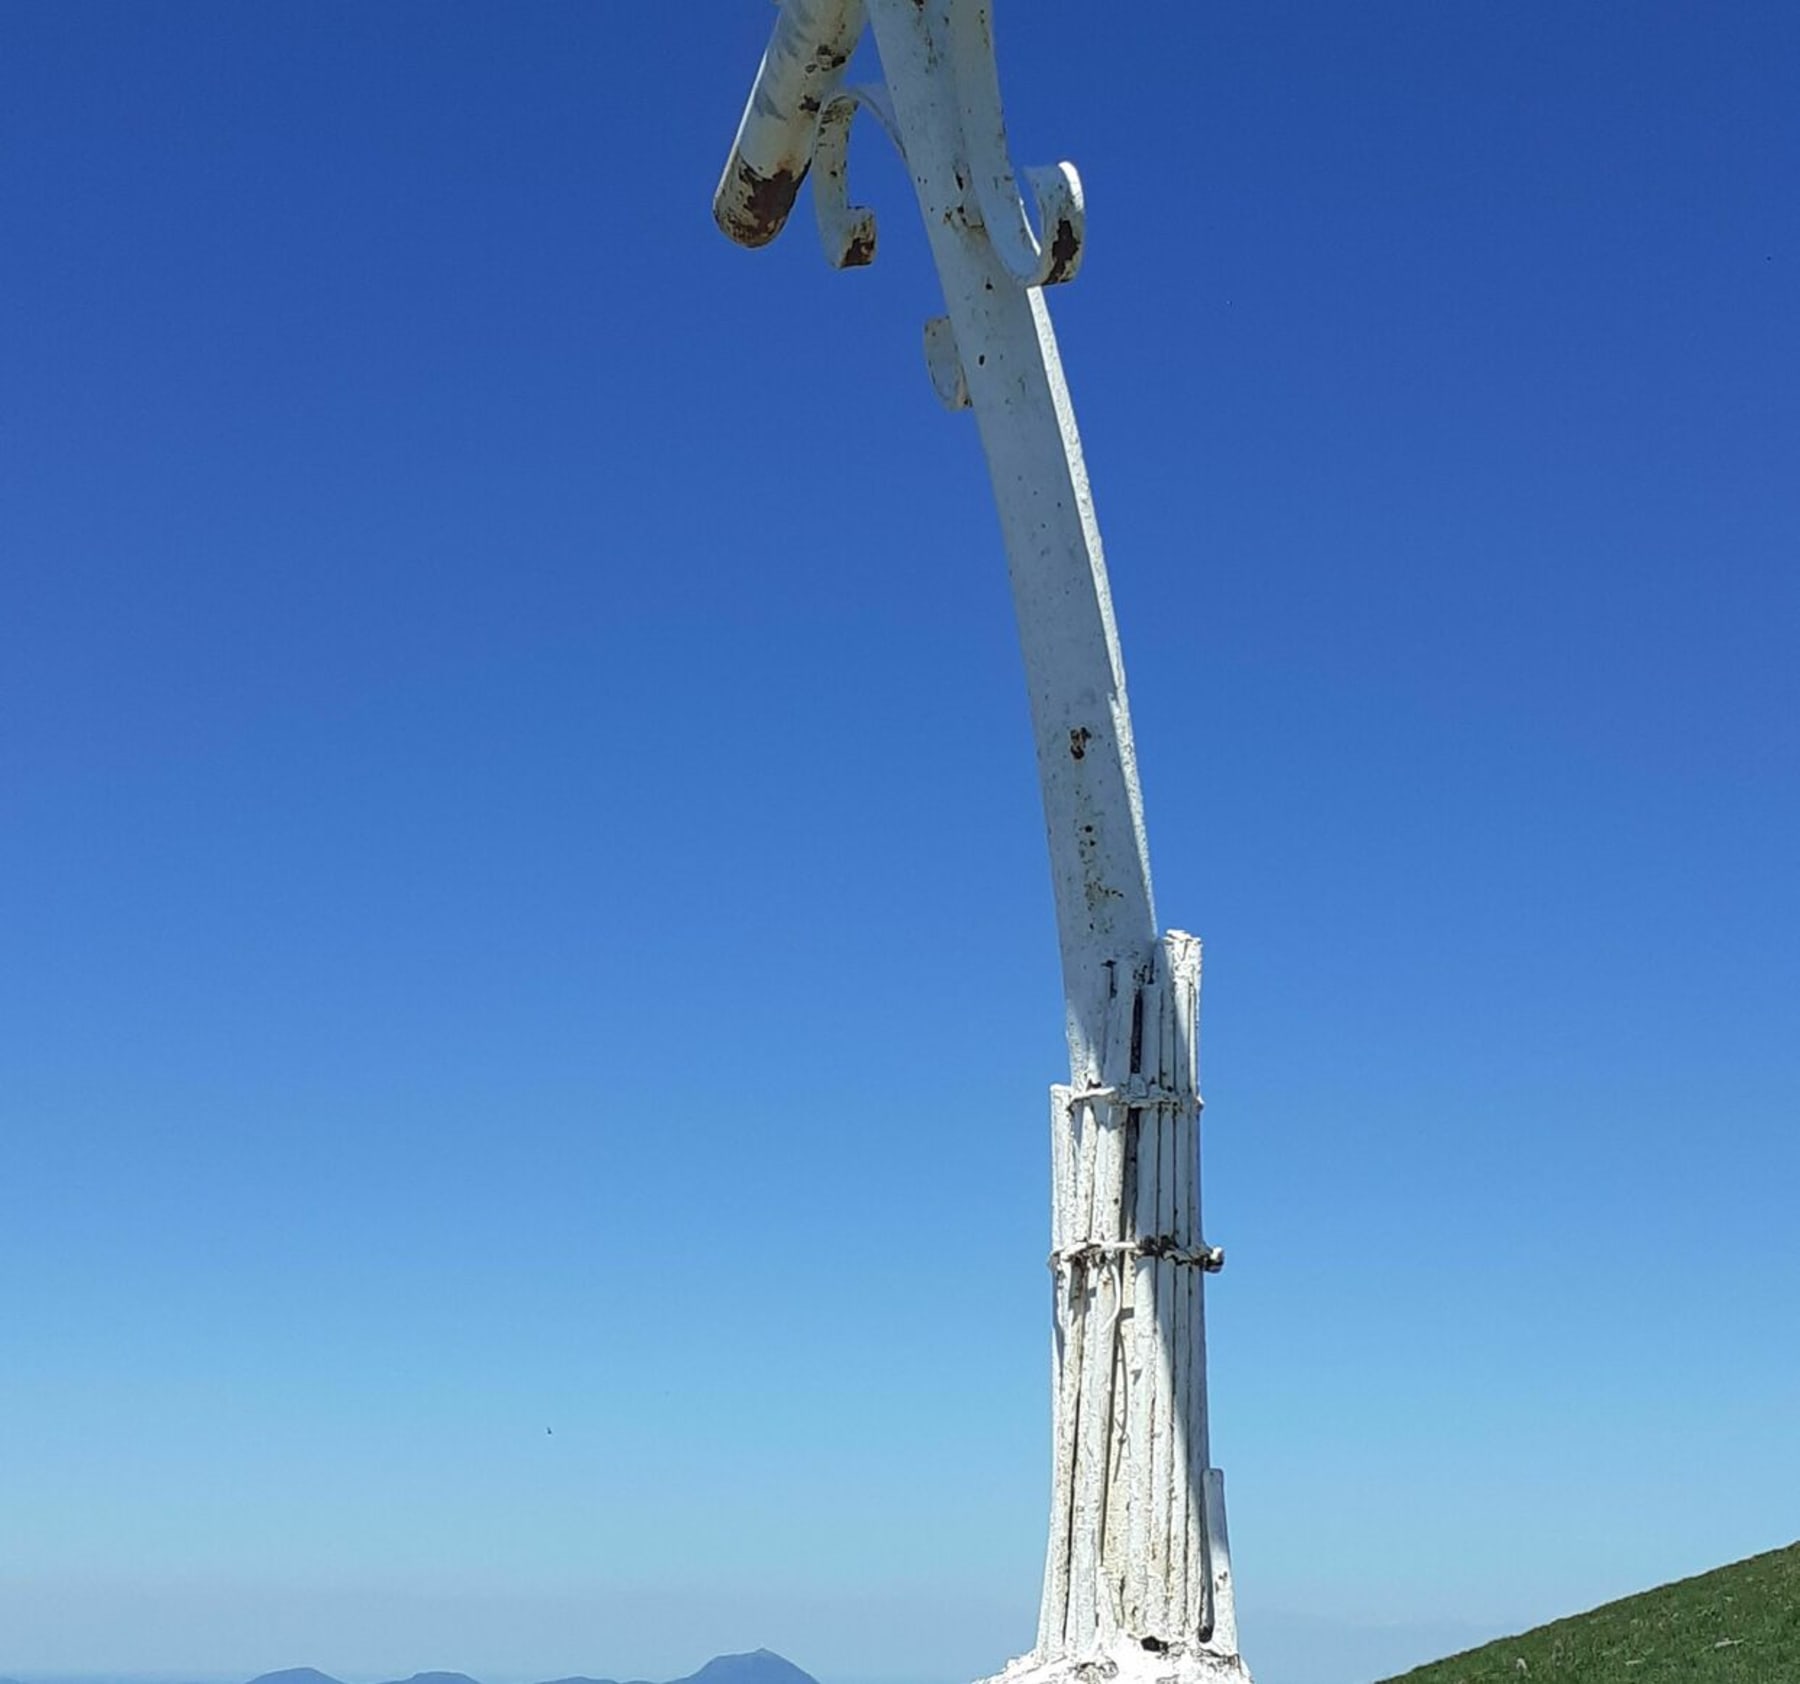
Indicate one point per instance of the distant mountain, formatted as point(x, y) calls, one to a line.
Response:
point(590, 1681)
point(436, 1678)
point(760, 1666)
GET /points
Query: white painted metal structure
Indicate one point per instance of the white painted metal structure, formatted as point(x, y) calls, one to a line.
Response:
point(1137, 1583)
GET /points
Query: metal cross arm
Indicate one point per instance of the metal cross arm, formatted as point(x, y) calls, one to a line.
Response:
point(1137, 1580)
point(801, 73)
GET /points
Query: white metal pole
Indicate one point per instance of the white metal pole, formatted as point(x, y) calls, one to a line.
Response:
point(1137, 1578)
point(1006, 346)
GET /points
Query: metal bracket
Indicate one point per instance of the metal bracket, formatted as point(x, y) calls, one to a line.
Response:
point(943, 361)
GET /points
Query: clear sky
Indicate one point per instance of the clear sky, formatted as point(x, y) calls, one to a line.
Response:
point(529, 980)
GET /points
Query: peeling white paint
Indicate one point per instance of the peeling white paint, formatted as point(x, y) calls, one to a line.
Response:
point(1137, 1580)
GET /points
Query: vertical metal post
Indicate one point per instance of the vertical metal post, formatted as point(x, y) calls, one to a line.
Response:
point(1137, 1577)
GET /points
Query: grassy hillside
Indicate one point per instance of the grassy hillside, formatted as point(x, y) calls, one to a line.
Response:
point(1736, 1625)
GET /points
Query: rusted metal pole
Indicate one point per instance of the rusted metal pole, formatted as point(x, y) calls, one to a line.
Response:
point(773, 151)
point(1137, 1578)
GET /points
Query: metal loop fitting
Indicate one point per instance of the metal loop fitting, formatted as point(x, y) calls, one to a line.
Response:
point(1161, 1247)
point(1139, 1095)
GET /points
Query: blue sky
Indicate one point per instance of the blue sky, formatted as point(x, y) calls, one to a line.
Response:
point(529, 979)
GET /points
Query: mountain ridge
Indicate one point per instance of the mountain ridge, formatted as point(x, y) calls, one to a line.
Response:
point(752, 1666)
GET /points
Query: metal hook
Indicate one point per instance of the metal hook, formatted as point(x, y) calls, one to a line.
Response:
point(1032, 260)
point(846, 231)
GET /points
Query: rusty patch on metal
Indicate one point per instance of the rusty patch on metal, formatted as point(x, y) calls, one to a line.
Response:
point(1079, 739)
point(755, 207)
point(1065, 254)
point(860, 252)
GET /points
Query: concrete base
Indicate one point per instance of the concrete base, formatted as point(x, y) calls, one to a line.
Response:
point(1128, 1662)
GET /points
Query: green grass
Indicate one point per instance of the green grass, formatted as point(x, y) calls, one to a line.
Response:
point(1735, 1625)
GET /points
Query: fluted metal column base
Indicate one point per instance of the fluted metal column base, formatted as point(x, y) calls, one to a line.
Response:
point(1128, 1662)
